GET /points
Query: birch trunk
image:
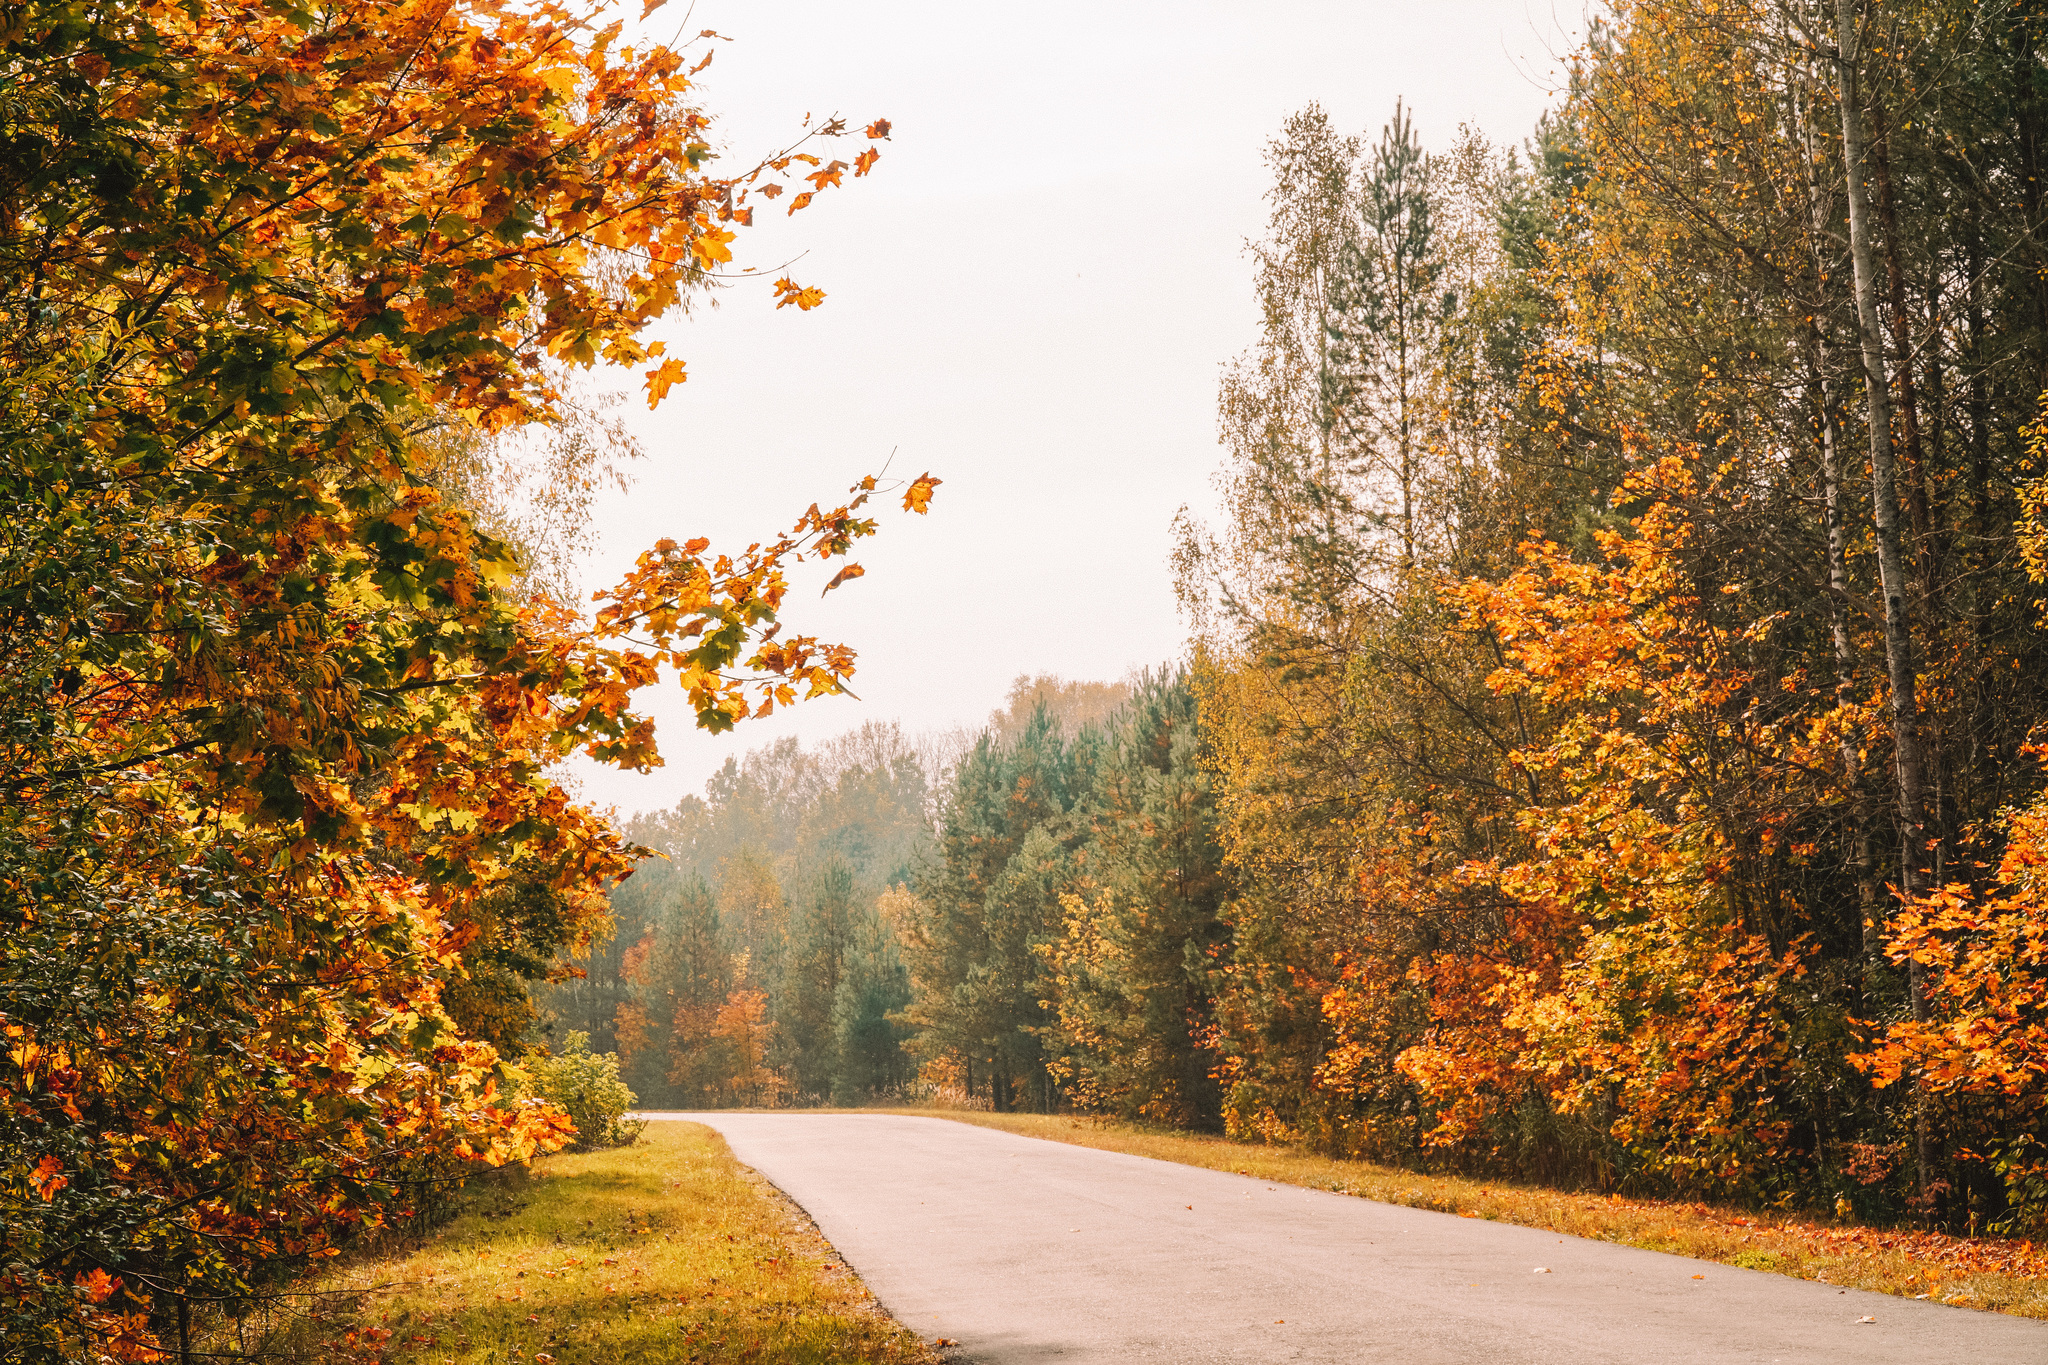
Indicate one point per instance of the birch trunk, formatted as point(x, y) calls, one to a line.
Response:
point(1909, 764)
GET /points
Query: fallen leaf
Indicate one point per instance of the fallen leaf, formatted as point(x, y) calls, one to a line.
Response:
point(1866, 1319)
point(1699, 1277)
point(1541, 1270)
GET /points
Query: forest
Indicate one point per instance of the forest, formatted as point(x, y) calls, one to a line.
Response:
point(1607, 750)
point(1609, 747)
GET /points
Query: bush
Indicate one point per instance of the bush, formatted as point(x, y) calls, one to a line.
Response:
point(586, 1085)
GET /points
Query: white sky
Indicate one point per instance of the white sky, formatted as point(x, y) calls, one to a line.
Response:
point(1030, 297)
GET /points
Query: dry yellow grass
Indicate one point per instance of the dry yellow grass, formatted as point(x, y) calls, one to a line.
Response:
point(2006, 1276)
point(662, 1253)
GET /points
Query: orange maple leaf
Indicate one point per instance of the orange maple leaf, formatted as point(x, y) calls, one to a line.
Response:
point(710, 249)
point(879, 128)
point(661, 379)
point(865, 162)
point(98, 1285)
point(918, 497)
point(47, 1178)
point(850, 571)
point(801, 201)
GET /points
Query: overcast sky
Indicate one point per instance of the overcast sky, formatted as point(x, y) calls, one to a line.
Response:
point(1030, 297)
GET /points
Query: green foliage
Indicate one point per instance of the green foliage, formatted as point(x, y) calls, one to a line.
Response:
point(586, 1086)
point(1009, 831)
point(1062, 941)
point(1142, 934)
point(868, 1038)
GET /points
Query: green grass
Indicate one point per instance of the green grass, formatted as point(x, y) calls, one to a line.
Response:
point(662, 1253)
point(2004, 1275)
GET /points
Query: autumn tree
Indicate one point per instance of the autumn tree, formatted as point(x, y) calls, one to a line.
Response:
point(276, 716)
point(681, 972)
point(1599, 845)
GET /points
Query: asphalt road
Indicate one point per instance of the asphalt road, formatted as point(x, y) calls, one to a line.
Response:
point(1027, 1251)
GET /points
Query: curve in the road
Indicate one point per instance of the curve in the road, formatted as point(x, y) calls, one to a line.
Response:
point(1028, 1252)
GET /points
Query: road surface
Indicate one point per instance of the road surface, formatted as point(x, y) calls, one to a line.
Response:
point(1028, 1252)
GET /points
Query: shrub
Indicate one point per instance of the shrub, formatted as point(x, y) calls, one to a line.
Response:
point(586, 1085)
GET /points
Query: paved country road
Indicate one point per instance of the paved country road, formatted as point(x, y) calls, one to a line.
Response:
point(1028, 1252)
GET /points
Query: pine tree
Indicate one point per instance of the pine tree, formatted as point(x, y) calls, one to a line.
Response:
point(988, 900)
point(1385, 311)
point(681, 972)
point(871, 1062)
point(821, 939)
point(1142, 933)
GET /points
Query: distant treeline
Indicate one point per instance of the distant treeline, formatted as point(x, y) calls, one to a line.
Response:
point(1027, 918)
point(752, 964)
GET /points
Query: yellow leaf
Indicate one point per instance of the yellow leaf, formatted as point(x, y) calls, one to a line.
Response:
point(710, 249)
point(788, 291)
point(661, 378)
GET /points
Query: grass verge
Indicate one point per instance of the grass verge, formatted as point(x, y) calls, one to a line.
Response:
point(2006, 1276)
point(663, 1253)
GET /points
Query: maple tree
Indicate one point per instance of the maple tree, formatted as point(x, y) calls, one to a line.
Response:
point(275, 731)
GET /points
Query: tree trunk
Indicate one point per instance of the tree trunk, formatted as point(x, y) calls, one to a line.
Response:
point(1835, 525)
point(1902, 343)
point(1836, 528)
point(1922, 450)
point(2027, 112)
point(1891, 563)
